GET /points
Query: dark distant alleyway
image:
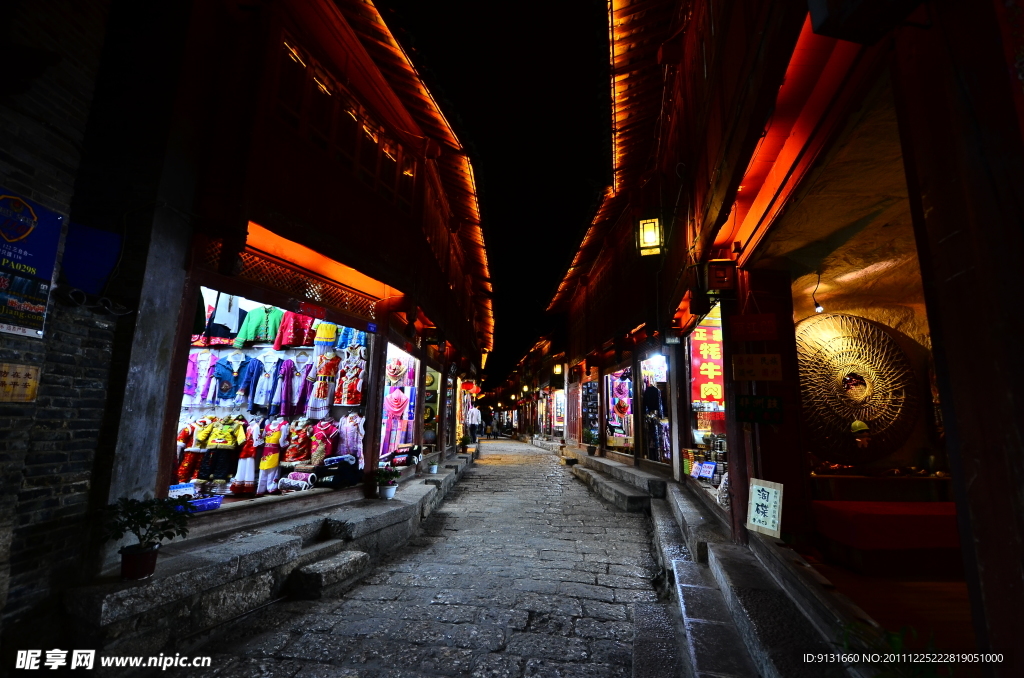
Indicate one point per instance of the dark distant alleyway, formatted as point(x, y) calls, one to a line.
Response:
point(520, 573)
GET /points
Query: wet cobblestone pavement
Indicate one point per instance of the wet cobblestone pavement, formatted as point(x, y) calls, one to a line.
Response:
point(520, 573)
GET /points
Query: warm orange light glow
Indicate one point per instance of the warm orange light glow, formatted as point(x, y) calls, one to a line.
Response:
point(266, 241)
point(294, 54)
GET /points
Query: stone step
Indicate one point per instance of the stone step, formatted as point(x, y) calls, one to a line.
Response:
point(698, 526)
point(668, 539)
point(652, 484)
point(655, 642)
point(775, 631)
point(316, 579)
point(712, 645)
point(625, 497)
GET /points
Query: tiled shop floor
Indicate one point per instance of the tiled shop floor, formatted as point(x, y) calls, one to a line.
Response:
point(520, 573)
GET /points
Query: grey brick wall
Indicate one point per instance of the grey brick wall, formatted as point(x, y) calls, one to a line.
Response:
point(47, 447)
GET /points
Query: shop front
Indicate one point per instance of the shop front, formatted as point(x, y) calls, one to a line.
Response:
point(274, 395)
point(656, 409)
point(706, 461)
point(620, 422)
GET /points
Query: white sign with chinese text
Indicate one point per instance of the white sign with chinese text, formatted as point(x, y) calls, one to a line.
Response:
point(764, 512)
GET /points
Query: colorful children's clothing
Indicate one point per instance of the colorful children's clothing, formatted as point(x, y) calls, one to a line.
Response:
point(275, 436)
point(325, 436)
point(295, 330)
point(319, 405)
point(261, 325)
point(300, 444)
point(351, 437)
point(244, 481)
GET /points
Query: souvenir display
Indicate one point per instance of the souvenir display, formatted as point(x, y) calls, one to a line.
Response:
point(398, 425)
point(267, 389)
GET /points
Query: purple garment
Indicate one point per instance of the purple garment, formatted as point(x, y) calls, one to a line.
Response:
point(192, 374)
point(282, 403)
point(307, 389)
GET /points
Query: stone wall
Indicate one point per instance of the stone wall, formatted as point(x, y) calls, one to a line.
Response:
point(51, 55)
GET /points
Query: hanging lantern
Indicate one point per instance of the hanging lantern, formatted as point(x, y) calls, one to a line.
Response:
point(650, 239)
point(467, 386)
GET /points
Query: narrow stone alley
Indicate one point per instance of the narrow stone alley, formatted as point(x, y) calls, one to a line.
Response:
point(521, 572)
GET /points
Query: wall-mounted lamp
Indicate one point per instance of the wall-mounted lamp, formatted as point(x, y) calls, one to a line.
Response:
point(526, 389)
point(558, 368)
point(818, 308)
point(650, 238)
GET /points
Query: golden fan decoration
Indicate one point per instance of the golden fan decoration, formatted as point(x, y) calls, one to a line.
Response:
point(852, 369)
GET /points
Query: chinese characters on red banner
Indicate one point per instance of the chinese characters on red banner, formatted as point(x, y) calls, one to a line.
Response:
point(706, 365)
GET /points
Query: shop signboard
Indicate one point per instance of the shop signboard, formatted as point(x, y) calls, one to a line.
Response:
point(706, 365)
point(29, 237)
point(757, 367)
point(764, 510)
point(707, 470)
point(754, 327)
point(18, 383)
point(695, 470)
point(759, 409)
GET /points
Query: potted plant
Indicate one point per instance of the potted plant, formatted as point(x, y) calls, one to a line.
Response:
point(464, 443)
point(151, 521)
point(387, 481)
point(433, 465)
point(590, 440)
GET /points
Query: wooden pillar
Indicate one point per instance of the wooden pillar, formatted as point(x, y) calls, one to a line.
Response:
point(739, 474)
point(775, 451)
point(964, 162)
point(374, 407)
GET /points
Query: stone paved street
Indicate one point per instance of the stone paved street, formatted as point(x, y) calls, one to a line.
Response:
point(520, 572)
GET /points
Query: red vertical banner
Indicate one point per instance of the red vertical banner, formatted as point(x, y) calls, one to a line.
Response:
point(707, 370)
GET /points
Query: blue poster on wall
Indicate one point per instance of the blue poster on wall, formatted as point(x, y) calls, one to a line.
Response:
point(29, 237)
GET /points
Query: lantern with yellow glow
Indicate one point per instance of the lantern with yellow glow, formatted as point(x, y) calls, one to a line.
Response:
point(558, 368)
point(650, 238)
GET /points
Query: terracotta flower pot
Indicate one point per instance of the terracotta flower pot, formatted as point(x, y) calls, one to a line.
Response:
point(138, 562)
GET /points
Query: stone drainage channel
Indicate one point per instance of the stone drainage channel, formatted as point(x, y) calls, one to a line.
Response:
point(521, 572)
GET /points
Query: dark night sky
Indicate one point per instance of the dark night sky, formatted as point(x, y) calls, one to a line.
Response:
point(528, 94)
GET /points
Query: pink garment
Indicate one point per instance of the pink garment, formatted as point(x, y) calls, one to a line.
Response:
point(325, 435)
point(395, 404)
point(352, 437)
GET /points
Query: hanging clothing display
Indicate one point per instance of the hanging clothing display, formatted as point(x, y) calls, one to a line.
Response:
point(275, 437)
point(260, 326)
point(246, 410)
point(295, 330)
point(326, 375)
point(325, 436)
point(244, 481)
point(230, 375)
point(351, 436)
point(300, 443)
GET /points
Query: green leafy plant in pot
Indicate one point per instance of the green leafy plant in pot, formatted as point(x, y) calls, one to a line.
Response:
point(387, 481)
point(590, 440)
point(464, 442)
point(151, 521)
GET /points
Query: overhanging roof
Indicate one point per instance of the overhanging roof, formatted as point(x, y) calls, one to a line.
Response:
point(637, 28)
point(454, 166)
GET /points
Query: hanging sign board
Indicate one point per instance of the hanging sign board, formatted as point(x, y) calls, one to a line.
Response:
point(18, 383)
point(764, 511)
point(707, 380)
point(29, 237)
point(757, 367)
point(755, 327)
point(759, 409)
